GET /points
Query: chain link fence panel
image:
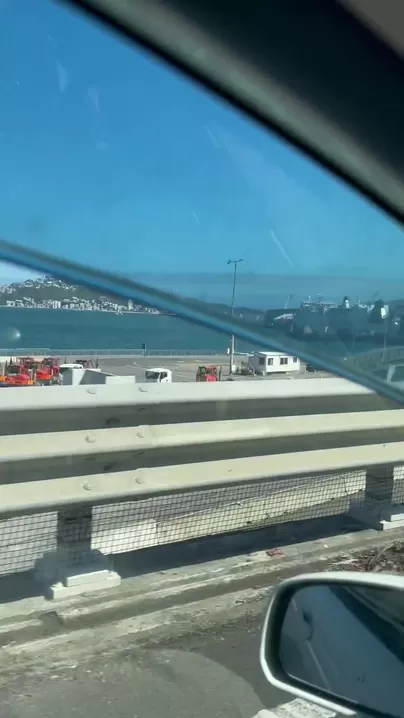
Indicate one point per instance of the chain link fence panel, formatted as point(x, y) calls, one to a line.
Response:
point(167, 519)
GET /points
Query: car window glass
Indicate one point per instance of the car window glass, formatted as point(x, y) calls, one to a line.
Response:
point(381, 373)
point(114, 161)
point(399, 373)
point(180, 244)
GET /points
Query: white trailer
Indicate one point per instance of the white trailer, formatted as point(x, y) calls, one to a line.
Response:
point(264, 363)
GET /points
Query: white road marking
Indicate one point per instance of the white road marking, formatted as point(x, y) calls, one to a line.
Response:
point(297, 708)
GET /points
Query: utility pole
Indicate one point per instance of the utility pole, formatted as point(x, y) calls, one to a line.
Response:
point(235, 263)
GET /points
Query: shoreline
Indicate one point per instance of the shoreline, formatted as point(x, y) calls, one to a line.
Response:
point(119, 354)
point(92, 311)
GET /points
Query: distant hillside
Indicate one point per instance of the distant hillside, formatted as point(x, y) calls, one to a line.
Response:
point(49, 292)
point(44, 289)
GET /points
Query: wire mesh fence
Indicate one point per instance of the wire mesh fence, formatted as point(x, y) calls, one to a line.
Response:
point(167, 519)
point(25, 539)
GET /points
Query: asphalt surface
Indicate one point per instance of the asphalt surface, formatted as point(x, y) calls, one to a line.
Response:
point(200, 676)
point(184, 368)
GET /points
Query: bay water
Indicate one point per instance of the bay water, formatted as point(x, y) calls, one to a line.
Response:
point(70, 329)
point(26, 331)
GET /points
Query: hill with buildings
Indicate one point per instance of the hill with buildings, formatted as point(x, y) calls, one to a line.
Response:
point(51, 293)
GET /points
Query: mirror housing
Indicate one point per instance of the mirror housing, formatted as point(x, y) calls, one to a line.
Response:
point(337, 640)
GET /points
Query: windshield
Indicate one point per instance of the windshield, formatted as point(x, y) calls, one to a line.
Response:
point(286, 254)
point(145, 223)
point(302, 280)
point(153, 375)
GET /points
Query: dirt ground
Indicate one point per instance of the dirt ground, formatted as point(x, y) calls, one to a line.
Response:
point(389, 559)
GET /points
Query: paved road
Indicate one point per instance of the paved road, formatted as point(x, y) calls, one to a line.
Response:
point(184, 368)
point(212, 675)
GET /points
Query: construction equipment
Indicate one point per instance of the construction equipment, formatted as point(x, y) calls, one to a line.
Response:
point(48, 371)
point(29, 363)
point(18, 375)
point(207, 373)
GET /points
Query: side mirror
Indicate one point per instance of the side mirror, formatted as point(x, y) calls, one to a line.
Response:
point(337, 640)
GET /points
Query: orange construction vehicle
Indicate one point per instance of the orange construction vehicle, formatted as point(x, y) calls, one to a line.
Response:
point(29, 362)
point(30, 365)
point(206, 373)
point(48, 372)
point(17, 375)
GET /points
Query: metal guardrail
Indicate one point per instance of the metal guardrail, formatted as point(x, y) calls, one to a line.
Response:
point(88, 472)
point(50, 409)
point(376, 357)
point(365, 359)
point(66, 352)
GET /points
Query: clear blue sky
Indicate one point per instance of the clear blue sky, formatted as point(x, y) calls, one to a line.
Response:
point(110, 158)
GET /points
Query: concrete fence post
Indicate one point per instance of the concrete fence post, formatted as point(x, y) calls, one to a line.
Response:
point(75, 567)
point(74, 531)
point(381, 506)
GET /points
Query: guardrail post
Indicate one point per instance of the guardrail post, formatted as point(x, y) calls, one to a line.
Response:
point(381, 507)
point(75, 567)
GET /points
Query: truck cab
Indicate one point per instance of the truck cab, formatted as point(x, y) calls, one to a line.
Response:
point(73, 365)
point(158, 375)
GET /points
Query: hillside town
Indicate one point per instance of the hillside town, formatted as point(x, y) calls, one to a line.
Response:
point(51, 293)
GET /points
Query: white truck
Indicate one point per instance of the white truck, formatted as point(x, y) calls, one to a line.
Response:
point(158, 375)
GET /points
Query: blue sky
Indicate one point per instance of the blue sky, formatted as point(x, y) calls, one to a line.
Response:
point(109, 158)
